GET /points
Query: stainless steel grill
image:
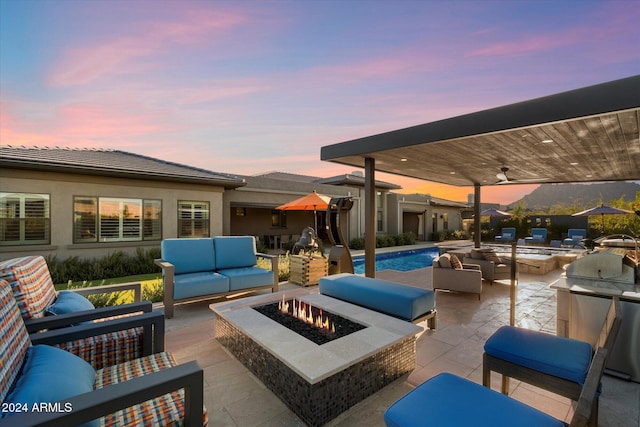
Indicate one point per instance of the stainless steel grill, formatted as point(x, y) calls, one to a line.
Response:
point(592, 280)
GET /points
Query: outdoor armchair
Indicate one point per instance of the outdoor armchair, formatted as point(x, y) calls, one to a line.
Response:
point(148, 391)
point(492, 266)
point(450, 274)
point(39, 304)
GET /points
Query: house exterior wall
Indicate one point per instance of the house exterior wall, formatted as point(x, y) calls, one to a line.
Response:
point(62, 188)
point(408, 212)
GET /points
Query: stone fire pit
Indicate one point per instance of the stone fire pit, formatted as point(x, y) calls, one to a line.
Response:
point(317, 382)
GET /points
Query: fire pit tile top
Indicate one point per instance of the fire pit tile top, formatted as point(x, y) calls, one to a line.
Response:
point(311, 361)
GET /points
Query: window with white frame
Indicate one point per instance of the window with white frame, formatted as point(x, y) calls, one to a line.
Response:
point(379, 211)
point(24, 219)
point(112, 219)
point(445, 221)
point(193, 218)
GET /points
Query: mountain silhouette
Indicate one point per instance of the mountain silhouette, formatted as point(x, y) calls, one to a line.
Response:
point(580, 195)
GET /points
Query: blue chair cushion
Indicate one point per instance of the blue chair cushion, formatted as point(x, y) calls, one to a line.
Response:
point(69, 302)
point(199, 284)
point(235, 251)
point(562, 357)
point(51, 375)
point(189, 255)
point(247, 277)
point(405, 302)
point(448, 400)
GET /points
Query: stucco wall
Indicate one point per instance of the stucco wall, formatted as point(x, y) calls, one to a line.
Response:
point(63, 187)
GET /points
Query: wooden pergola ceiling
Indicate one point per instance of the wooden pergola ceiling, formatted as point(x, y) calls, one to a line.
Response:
point(585, 135)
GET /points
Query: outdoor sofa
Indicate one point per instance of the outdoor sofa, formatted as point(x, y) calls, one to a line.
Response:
point(203, 268)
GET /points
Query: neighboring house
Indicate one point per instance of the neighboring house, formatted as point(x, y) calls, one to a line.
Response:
point(88, 203)
point(424, 215)
point(253, 207)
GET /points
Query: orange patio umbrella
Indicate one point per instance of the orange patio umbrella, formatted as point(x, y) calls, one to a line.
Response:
point(310, 202)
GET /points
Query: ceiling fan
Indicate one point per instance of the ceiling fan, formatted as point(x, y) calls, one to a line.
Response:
point(504, 179)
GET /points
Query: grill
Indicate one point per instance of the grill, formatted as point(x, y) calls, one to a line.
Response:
point(591, 281)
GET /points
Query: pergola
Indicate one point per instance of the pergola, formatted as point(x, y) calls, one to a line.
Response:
point(584, 135)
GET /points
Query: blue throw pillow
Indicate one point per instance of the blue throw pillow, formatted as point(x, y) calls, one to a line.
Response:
point(51, 375)
point(69, 302)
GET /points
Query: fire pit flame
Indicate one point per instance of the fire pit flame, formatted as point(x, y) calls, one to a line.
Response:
point(304, 312)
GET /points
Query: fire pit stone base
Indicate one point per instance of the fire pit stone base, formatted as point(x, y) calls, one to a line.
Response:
point(319, 382)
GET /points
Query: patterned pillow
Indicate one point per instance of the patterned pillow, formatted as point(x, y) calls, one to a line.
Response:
point(455, 262)
point(31, 283)
point(14, 340)
point(492, 256)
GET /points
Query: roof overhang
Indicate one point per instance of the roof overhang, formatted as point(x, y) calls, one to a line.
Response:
point(584, 135)
point(119, 173)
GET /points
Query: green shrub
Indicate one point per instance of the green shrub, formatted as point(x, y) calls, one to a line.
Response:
point(116, 264)
point(357, 244)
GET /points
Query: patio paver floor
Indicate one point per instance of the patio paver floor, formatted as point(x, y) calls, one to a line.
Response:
point(235, 398)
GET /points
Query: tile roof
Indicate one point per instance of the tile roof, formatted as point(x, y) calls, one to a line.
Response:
point(106, 162)
point(286, 176)
point(356, 180)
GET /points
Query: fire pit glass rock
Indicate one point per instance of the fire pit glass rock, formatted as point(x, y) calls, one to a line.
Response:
point(311, 322)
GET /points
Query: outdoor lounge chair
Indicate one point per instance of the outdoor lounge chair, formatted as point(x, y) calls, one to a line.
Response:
point(147, 391)
point(574, 237)
point(38, 302)
point(538, 235)
point(447, 400)
point(508, 234)
point(553, 363)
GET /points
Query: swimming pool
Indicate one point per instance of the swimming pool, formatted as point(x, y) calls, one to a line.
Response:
point(399, 260)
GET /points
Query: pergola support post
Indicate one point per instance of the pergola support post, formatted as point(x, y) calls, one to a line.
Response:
point(476, 215)
point(369, 217)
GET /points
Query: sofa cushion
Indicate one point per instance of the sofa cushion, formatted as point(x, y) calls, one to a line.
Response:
point(14, 340)
point(189, 255)
point(199, 284)
point(563, 357)
point(235, 251)
point(31, 283)
point(51, 375)
point(69, 302)
point(247, 277)
point(448, 400)
point(445, 261)
point(404, 302)
point(166, 410)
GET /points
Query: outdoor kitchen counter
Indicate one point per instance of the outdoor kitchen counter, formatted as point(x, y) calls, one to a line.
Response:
point(581, 307)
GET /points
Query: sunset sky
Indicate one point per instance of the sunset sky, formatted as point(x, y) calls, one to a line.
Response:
point(247, 87)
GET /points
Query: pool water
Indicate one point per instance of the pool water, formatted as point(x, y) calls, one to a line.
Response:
point(400, 260)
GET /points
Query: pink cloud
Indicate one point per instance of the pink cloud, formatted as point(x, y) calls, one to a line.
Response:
point(121, 54)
